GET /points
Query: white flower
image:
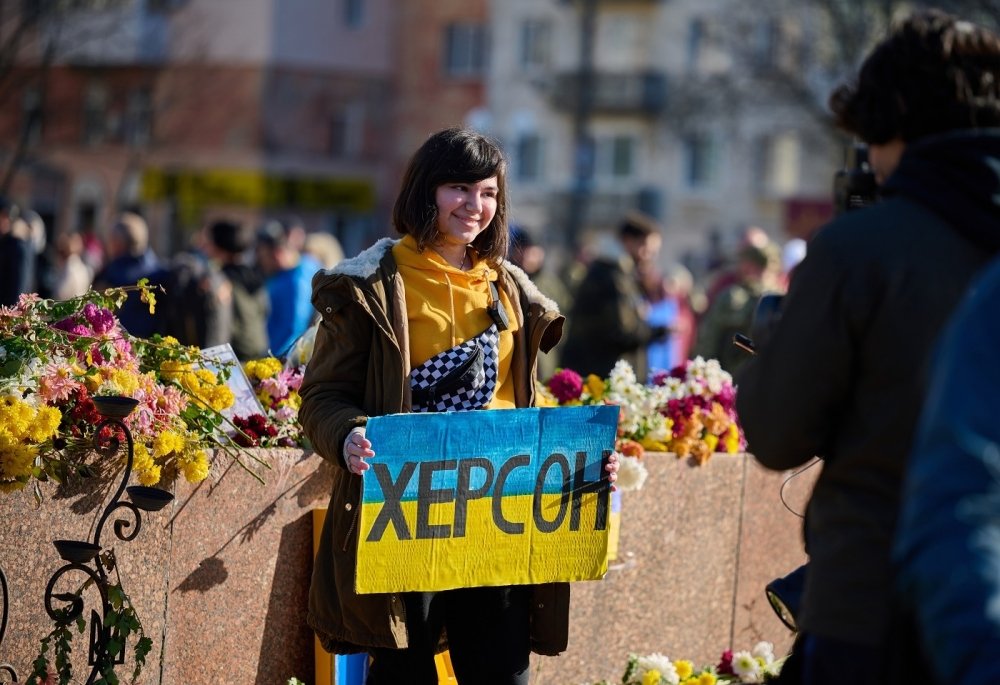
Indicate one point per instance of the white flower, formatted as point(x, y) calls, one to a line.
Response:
point(660, 663)
point(632, 474)
point(747, 668)
point(765, 651)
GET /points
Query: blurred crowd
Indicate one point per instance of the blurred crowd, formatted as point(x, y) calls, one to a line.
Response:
point(621, 298)
point(231, 284)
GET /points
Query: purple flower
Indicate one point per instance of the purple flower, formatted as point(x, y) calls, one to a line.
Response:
point(99, 318)
point(566, 385)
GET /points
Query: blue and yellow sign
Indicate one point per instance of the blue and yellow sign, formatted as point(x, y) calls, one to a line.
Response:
point(506, 497)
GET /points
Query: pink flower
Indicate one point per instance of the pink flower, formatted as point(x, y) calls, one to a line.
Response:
point(566, 385)
point(292, 378)
point(277, 388)
point(57, 384)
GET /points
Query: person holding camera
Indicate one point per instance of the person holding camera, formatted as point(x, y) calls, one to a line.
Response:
point(844, 371)
point(402, 323)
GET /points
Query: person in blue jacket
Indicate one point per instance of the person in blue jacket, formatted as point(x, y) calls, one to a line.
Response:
point(947, 547)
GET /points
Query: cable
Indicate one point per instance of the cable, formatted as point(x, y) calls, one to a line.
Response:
point(781, 492)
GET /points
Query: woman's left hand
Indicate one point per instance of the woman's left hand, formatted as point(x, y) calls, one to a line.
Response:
point(612, 468)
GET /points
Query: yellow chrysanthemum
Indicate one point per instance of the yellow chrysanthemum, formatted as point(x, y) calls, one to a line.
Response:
point(172, 369)
point(732, 440)
point(166, 443)
point(126, 381)
point(651, 677)
point(146, 470)
point(653, 445)
point(259, 369)
point(16, 460)
point(712, 441)
point(596, 387)
point(707, 678)
point(684, 668)
point(206, 377)
point(46, 423)
point(294, 400)
point(220, 397)
point(194, 465)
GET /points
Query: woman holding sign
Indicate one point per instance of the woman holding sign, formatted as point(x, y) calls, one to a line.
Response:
point(436, 321)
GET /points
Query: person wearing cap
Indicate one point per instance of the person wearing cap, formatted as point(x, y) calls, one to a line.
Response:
point(228, 243)
point(732, 309)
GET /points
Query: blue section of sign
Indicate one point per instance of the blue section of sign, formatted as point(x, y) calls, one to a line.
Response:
point(477, 446)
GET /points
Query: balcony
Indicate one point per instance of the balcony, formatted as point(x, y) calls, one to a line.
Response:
point(640, 93)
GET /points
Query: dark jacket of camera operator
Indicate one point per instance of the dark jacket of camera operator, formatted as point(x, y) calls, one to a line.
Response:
point(843, 375)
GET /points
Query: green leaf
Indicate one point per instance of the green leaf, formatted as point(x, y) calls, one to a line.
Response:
point(81, 625)
point(114, 646)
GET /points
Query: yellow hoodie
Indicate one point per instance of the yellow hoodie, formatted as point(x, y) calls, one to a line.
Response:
point(446, 306)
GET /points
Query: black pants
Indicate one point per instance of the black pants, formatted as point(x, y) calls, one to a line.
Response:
point(488, 637)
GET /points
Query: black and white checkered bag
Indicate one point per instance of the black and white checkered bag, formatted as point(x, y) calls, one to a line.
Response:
point(461, 378)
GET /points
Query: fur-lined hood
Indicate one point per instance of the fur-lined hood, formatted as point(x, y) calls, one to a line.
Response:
point(366, 264)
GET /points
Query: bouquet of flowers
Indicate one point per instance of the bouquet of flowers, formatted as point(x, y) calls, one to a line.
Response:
point(757, 665)
point(277, 389)
point(55, 357)
point(689, 410)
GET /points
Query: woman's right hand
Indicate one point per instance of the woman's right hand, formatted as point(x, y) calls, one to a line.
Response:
point(357, 448)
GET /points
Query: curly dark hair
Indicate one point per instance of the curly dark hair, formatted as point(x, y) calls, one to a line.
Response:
point(933, 73)
point(454, 155)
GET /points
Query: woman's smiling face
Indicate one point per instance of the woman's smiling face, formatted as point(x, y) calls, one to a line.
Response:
point(465, 210)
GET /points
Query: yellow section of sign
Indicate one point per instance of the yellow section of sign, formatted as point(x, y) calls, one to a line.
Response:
point(483, 554)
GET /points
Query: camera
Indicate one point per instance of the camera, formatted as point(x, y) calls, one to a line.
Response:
point(854, 186)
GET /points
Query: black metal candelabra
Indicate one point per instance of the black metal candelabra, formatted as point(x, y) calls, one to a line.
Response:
point(85, 557)
point(5, 669)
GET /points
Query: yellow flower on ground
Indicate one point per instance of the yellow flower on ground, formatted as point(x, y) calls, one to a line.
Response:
point(684, 668)
point(651, 678)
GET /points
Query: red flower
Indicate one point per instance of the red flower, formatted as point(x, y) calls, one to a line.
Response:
point(725, 666)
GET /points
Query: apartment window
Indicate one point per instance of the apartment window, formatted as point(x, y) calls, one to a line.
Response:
point(139, 117)
point(347, 129)
point(95, 114)
point(615, 157)
point(528, 165)
point(465, 49)
point(31, 115)
point(780, 160)
point(701, 160)
point(695, 43)
point(536, 41)
point(354, 13)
